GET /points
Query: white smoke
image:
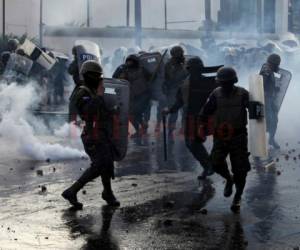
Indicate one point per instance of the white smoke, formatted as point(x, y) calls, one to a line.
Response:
point(16, 125)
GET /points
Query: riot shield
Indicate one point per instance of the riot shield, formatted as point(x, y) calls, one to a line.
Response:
point(37, 55)
point(87, 50)
point(117, 95)
point(150, 61)
point(197, 95)
point(257, 127)
point(200, 91)
point(17, 66)
point(282, 83)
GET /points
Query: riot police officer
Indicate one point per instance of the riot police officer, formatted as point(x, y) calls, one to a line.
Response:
point(228, 104)
point(73, 68)
point(268, 71)
point(175, 74)
point(96, 135)
point(4, 60)
point(194, 144)
point(12, 45)
point(138, 78)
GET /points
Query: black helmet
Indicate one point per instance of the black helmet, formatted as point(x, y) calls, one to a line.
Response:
point(13, 44)
point(20, 52)
point(177, 52)
point(226, 74)
point(74, 50)
point(194, 63)
point(274, 59)
point(134, 59)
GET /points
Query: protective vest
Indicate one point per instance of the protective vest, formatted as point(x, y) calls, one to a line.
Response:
point(138, 82)
point(269, 82)
point(175, 74)
point(231, 111)
point(98, 122)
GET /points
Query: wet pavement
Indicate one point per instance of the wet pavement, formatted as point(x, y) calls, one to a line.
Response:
point(163, 205)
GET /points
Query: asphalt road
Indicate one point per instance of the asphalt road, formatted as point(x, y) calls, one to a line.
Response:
point(163, 206)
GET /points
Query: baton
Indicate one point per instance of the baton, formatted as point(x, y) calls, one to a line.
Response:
point(165, 138)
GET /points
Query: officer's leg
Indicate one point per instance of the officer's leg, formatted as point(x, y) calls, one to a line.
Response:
point(135, 117)
point(218, 157)
point(146, 116)
point(102, 165)
point(172, 117)
point(200, 153)
point(162, 104)
point(272, 128)
point(272, 122)
point(239, 158)
point(90, 174)
point(107, 193)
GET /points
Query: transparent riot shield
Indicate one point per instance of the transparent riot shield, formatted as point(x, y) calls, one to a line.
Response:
point(87, 50)
point(17, 67)
point(37, 55)
point(282, 84)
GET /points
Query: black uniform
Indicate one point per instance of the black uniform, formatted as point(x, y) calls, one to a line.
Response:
point(175, 74)
point(138, 78)
point(230, 134)
point(193, 143)
point(74, 72)
point(96, 135)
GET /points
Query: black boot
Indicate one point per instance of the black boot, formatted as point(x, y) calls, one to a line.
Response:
point(236, 204)
point(206, 172)
point(70, 195)
point(110, 199)
point(228, 187)
point(107, 193)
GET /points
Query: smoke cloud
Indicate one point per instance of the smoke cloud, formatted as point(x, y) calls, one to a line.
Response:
point(19, 128)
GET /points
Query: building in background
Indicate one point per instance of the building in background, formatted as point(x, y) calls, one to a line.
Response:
point(263, 16)
point(107, 17)
point(22, 16)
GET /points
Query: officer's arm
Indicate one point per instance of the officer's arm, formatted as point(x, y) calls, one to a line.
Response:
point(179, 102)
point(72, 68)
point(266, 73)
point(208, 109)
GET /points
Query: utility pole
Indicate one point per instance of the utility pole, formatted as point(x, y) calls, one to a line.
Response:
point(88, 14)
point(3, 21)
point(128, 13)
point(166, 14)
point(138, 23)
point(208, 21)
point(41, 23)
